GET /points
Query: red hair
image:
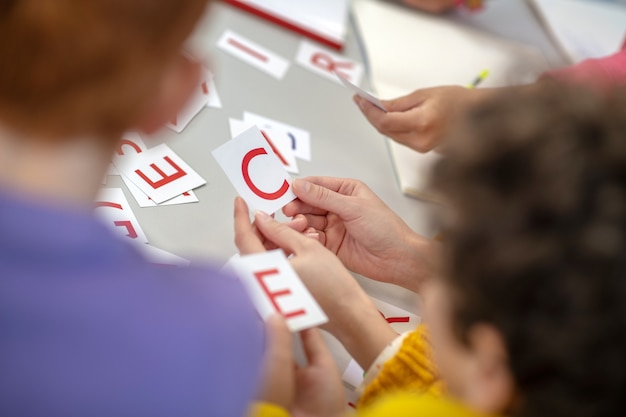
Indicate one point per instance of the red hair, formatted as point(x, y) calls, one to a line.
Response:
point(85, 67)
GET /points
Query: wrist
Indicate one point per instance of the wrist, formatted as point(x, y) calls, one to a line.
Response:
point(362, 330)
point(418, 262)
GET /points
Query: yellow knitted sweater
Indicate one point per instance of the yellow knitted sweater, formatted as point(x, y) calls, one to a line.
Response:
point(407, 385)
point(396, 405)
point(410, 370)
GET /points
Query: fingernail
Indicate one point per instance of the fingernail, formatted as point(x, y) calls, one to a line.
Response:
point(302, 185)
point(262, 217)
point(313, 235)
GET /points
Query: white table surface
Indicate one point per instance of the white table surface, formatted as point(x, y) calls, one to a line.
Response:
point(343, 143)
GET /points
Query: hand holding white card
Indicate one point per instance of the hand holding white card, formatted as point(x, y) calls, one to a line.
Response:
point(255, 171)
point(275, 287)
point(361, 93)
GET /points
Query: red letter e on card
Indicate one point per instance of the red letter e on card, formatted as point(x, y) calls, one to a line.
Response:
point(275, 288)
point(273, 295)
point(159, 173)
point(164, 178)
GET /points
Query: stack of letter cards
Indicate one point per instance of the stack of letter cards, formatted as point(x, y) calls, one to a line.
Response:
point(275, 288)
point(156, 175)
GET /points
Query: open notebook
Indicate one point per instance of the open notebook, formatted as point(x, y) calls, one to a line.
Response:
point(407, 50)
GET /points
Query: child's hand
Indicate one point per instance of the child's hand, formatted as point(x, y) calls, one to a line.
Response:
point(366, 235)
point(418, 120)
point(312, 390)
point(321, 271)
point(261, 244)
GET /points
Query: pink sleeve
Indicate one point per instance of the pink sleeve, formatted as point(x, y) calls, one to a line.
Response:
point(607, 71)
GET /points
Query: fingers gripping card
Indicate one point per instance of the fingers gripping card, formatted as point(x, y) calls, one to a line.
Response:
point(275, 287)
point(361, 93)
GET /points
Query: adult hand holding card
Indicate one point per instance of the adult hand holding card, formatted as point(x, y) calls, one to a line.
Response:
point(361, 93)
point(353, 318)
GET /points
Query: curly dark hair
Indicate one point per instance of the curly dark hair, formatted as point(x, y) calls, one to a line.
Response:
point(536, 244)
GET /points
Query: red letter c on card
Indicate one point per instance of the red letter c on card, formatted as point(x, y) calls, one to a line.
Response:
point(129, 143)
point(246, 177)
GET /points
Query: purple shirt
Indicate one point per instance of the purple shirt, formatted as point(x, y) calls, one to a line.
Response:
point(88, 328)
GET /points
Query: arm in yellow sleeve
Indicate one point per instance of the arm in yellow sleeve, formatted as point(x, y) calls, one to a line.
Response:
point(262, 409)
point(406, 405)
point(411, 370)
